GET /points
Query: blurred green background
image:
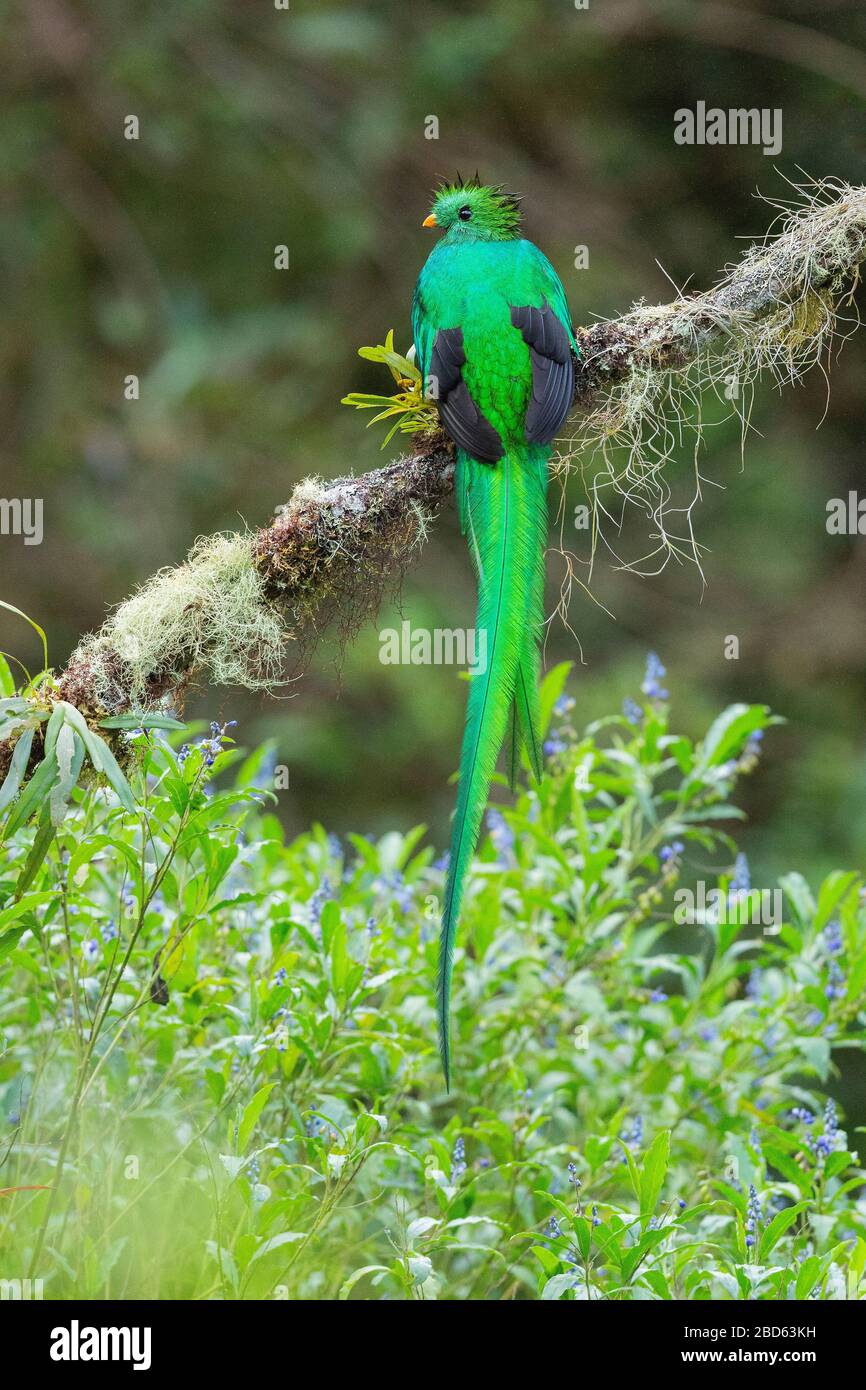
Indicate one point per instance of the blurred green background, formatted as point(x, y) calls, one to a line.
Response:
point(306, 127)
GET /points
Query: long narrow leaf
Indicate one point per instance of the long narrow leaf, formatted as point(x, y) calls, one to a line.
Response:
point(38, 850)
point(70, 756)
point(34, 793)
point(101, 756)
point(36, 628)
point(7, 680)
point(55, 724)
point(17, 769)
point(652, 1177)
point(105, 762)
point(141, 721)
point(13, 704)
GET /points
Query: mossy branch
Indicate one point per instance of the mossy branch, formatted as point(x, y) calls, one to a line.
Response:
point(239, 600)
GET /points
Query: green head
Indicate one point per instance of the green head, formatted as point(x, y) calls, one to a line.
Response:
point(475, 212)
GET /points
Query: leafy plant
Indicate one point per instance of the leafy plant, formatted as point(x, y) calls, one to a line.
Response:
point(411, 412)
point(218, 1048)
point(66, 744)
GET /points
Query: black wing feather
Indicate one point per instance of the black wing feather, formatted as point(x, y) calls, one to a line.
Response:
point(552, 370)
point(460, 416)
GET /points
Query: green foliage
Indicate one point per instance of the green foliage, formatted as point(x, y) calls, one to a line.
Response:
point(218, 1050)
point(412, 414)
point(67, 742)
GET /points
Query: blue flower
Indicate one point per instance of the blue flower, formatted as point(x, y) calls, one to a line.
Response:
point(828, 1140)
point(108, 930)
point(458, 1161)
point(741, 879)
point(835, 982)
point(753, 1215)
point(633, 1137)
point(833, 938)
point(553, 746)
point(90, 950)
point(210, 747)
point(651, 685)
point(501, 834)
point(671, 851)
point(322, 894)
point(553, 1228)
point(658, 996)
point(632, 711)
point(401, 889)
point(754, 984)
point(767, 1047)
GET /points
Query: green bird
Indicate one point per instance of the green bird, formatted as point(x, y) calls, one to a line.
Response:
point(496, 349)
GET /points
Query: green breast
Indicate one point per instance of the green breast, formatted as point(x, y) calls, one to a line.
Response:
point(473, 287)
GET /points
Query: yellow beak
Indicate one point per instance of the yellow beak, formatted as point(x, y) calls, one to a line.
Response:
point(430, 221)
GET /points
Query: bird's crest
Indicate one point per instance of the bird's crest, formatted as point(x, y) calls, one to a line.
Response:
point(495, 212)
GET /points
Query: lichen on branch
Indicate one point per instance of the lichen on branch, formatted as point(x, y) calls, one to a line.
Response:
point(644, 376)
point(240, 599)
point(235, 605)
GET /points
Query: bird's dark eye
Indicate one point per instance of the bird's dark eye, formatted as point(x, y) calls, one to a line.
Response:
point(464, 214)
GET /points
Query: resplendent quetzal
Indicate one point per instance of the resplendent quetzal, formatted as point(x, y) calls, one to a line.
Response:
point(494, 344)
